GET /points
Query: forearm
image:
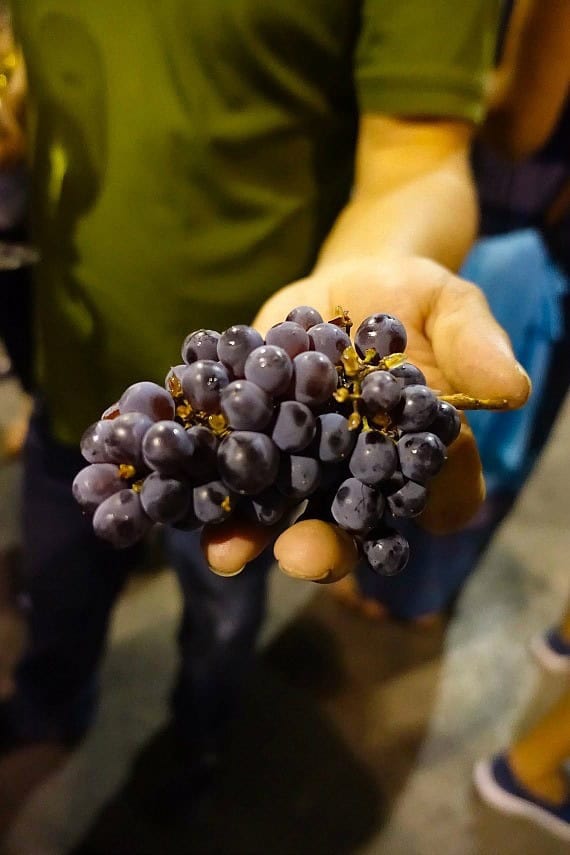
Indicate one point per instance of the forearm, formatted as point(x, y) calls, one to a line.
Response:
point(434, 214)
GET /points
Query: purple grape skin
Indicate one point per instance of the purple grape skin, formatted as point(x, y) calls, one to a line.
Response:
point(383, 333)
point(417, 409)
point(305, 316)
point(408, 375)
point(204, 464)
point(148, 398)
point(380, 392)
point(208, 500)
point(409, 501)
point(421, 456)
point(165, 500)
point(294, 427)
point(246, 406)
point(394, 483)
point(248, 462)
point(374, 458)
point(92, 443)
point(446, 424)
point(315, 378)
point(357, 507)
point(201, 344)
point(298, 476)
point(330, 340)
point(267, 508)
point(235, 345)
point(335, 440)
point(387, 553)
point(270, 368)
point(95, 483)
point(202, 384)
point(290, 336)
point(121, 520)
point(168, 448)
point(123, 441)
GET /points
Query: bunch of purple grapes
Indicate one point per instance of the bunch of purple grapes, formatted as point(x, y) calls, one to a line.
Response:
point(254, 428)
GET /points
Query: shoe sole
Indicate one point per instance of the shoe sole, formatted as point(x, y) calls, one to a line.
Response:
point(557, 663)
point(506, 802)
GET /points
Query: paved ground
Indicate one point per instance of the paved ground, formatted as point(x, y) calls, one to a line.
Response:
point(357, 738)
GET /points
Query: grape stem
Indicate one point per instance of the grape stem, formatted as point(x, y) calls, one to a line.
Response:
point(465, 402)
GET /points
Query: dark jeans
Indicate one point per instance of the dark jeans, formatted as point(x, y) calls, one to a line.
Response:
point(73, 579)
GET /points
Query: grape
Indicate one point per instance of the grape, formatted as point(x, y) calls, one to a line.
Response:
point(235, 345)
point(330, 340)
point(202, 383)
point(246, 406)
point(409, 501)
point(382, 333)
point(421, 455)
point(95, 483)
point(387, 553)
point(290, 336)
point(298, 476)
point(173, 380)
point(394, 483)
point(168, 448)
point(374, 458)
point(418, 408)
point(447, 423)
point(408, 375)
point(92, 442)
point(204, 466)
point(267, 508)
point(305, 316)
point(202, 344)
point(380, 392)
point(111, 412)
point(248, 462)
point(148, 398)
point(294, 427)
point(123, 440)
point(315, 378)
point(212, 502)
point(357, 507)
point(335, 440)
point(270, 368)
point(121, 520)
point(164, 499)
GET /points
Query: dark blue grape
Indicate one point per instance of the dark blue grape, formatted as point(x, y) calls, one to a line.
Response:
point(173, 380)
point(408, 375)
point(417, 408)
point(204, 464)
point(123, 440)
point(334, 439)
point(298, 476)
point(374, 458)
point(212, 502)
point(315, 378)
point(248, 462)
point(246, 406)
point(202, 344)
point(270, 368)
point(383, 333)
point(387, 553)
point(202, 383)
point(148, 398)
point(290, 336)
point(267, 508)
point(294, 427)
point(381, 392)
point(95, 483)
point(357, 507)
point(421, 456)
point(409, 501)
point(447, 423)
point(330, 340)
point(235, 345)
point(92, 442)
point(164, 499)
point(168, 448)
point(305, 316)
point(121, 520)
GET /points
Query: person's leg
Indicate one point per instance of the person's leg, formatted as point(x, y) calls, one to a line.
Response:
point(221, 620)
point(537, 758)
point(71, 580)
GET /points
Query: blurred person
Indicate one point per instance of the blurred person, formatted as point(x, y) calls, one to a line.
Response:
point(529, 778)
point(522, 264)
point(187, 162)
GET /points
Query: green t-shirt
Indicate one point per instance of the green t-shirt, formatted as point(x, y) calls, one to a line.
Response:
point(191, 155)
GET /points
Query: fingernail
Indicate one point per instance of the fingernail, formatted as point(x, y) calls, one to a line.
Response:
point(227, 572)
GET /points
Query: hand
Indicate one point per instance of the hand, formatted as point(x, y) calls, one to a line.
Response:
point(452, 337)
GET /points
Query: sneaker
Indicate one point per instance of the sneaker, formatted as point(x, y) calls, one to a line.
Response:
point(498, 787)
point(552, 651)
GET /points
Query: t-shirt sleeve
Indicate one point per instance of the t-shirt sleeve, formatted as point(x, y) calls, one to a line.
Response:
point(425, 57)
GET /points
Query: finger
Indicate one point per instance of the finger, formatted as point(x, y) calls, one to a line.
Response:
point(232, 545)
point(470, 347)
point(313, 550)
point(456, 493)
